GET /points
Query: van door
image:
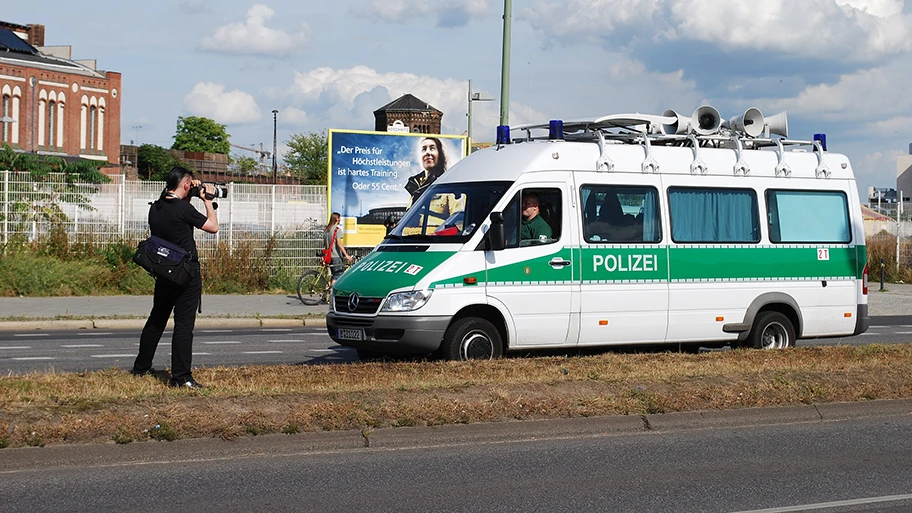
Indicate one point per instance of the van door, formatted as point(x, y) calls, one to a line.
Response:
point(534, 278)
point(623, 260)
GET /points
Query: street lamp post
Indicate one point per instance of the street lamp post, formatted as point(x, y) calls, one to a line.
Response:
point(473, 97)
point(275, 118)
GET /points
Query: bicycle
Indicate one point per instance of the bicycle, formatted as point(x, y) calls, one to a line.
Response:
point(313, 285)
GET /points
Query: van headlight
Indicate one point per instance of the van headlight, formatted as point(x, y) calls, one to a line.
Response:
point(406, 301)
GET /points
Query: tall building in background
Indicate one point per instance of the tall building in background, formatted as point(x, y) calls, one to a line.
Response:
point(51, 104)
point(904, 178)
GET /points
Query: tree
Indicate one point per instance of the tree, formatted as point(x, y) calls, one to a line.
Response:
point(155, 162)
point(246, 165)
point(200, 134)
point(308, 156)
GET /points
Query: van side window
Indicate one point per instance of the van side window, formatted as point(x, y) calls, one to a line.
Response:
point(618, 213)
point(808, 216)
point(533, 217)
point(713, 215)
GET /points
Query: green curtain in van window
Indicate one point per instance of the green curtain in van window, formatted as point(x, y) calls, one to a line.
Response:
point(711, 215)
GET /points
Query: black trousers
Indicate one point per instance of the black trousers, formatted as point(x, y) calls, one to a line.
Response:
point(183, 301)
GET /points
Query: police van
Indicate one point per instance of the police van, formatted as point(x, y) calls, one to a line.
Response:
point(658, 229)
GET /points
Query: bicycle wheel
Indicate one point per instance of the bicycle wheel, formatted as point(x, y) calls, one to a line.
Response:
point(312, 287)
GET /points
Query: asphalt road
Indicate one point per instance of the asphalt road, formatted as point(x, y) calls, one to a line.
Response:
point(82, 350)
point(846, 466)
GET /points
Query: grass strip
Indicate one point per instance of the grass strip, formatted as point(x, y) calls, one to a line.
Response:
point(113, 406)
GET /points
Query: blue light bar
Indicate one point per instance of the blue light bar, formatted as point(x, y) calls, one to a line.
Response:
point(503, 134)
point(555, 129)
point(822, 139)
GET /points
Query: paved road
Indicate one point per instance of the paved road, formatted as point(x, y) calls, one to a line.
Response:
point(744, 461)
point(96, 349)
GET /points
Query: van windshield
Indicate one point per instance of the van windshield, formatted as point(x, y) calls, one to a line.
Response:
point(448, 212)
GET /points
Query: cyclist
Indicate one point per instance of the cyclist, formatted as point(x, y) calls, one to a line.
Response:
point(331, 240)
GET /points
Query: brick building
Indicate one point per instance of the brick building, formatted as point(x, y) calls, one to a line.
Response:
point(51, 104)
point(408, 114)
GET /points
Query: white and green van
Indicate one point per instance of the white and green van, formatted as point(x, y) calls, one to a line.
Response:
point(707, 233)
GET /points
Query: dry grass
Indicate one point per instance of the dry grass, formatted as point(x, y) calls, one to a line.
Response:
point(114, 406)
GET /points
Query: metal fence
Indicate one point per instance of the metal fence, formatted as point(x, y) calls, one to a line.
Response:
point(290, 218)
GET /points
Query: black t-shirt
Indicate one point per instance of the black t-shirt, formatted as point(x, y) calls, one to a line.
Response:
point(173, 220)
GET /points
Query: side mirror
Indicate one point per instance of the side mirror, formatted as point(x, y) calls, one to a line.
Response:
point(496, 239)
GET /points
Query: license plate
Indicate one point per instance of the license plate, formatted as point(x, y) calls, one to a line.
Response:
point(351, 334)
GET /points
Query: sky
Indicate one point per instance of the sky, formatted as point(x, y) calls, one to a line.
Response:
point(837, 66)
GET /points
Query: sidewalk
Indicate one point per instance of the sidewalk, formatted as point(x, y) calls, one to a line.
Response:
point(130, 312)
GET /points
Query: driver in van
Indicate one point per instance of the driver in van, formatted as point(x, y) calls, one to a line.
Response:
point(535, 230)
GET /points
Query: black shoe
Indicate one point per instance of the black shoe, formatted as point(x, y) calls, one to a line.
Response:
point(190, 384)
point(140, 373)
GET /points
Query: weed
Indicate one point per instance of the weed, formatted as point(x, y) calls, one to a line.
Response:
point(163, 432)
point(122, 435)
point(291, 429)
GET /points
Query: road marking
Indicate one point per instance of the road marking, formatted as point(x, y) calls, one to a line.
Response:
point(835, 504)
point(276, 329)
point(34, 358)
point(868, 334)
point(32, 335)
point(197, 354)
point(902, 332)
point(215, 342)
point(113, 355)
point(287, 340)
point(16, 347)
point(82, 345)
point(215, 331)
point(321, 350)
point(93, 334)
point(262, 352)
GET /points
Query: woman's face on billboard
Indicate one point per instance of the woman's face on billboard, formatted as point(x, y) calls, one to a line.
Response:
point(429, 154)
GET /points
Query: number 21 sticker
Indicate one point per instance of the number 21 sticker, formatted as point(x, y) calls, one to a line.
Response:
point(823, 253)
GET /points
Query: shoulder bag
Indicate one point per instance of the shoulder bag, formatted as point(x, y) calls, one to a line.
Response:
point(164, 259)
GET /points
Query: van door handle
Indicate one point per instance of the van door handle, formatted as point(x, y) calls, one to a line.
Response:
point(558, 262)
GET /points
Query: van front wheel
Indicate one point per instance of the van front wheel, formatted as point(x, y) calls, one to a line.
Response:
point(772, 330)
point(472, 339)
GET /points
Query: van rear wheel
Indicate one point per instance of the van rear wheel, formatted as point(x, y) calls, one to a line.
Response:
point(472, 338)
point(772, 330)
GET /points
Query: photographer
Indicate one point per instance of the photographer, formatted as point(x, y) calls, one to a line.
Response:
point(173, 218)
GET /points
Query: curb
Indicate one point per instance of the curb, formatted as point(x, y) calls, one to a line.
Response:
point(31, 458)
point(138, 323)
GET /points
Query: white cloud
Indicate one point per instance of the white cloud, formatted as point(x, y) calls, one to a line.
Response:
point(824, 29)
point(346, 98)
point(254, 37)
point(870, 94)
point(291, 116)
point(448, 13)
point(227, 107)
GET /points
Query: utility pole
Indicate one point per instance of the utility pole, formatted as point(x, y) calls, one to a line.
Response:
point(505, 65)
point(473, 97)
point(275, 118)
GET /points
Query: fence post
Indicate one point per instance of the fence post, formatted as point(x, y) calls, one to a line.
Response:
point(230, 199)
point(272, 229)
point(6, 207)
point(123, 198)
point(882, 274)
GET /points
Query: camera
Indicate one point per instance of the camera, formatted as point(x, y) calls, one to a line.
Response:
point(220, 192)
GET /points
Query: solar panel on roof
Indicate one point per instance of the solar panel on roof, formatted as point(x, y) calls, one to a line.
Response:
point(10, 41)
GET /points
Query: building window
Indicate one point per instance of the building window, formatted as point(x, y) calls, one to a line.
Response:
point(52, 123)
point(6, 112)
point(93, 120)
